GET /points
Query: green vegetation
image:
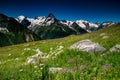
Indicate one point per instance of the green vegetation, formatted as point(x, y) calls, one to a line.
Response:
point(77, 65)
point(53, 31)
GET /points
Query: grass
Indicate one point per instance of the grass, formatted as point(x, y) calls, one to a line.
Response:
point(77, 65)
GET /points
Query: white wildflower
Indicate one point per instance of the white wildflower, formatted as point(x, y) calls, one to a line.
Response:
point(9, 54)
point(22, 53)
point(51, 49)
point(16, 59)
point(34, 49)
point(20, 70)
point(39, 53)
point(41, 68)
point(58, 52)
point(41, 64)
point(102, 34)
point(60, 47)
point(35, 66)
point(27, 49)
point(45, 57)
point(31, 60)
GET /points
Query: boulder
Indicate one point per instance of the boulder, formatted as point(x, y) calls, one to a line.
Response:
point(115, 48)
point(88, 46)
point(33, 59)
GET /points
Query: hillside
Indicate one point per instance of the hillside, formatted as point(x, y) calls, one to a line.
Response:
point(12, 32)
point(76, 64)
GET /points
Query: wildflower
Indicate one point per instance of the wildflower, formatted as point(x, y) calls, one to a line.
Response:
point(41, 68)
point(107, 67)
point(39, 53)
point(35, 66)
point(41, 64)
point(60, 47)
point(58, 52)
point(16, 59)
point(102, 34)
point(31, 60)
point(9, 54)
point(27, 49)
point(20, 70)
point(22, 53)
point(70, 61)
point(51, 49)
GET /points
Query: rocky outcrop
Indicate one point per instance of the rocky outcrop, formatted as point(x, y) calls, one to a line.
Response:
point(115, 48)
point(88, 46)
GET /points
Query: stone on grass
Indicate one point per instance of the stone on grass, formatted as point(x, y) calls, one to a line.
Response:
point(115, 48)
point(32, 59)
point(88, 46)
point(54, 69)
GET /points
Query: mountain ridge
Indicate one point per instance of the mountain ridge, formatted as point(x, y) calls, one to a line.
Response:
point(61, 26)
point(50, 19)
point(24, 29)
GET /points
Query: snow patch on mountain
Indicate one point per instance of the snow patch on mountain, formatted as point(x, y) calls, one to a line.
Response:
point(20, 18)
point(80, 23)
point(66, 22)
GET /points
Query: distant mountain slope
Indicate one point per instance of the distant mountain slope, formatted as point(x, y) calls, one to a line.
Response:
point(12, 32)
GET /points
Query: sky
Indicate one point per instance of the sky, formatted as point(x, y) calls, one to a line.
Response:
point(91, 10)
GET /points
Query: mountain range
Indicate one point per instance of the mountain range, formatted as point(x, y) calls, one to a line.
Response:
point(51, 27)
point(24, 29)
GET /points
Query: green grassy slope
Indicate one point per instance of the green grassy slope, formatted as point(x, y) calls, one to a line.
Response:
point(83, 65)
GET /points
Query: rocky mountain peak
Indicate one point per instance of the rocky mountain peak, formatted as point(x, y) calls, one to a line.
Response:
point(51, 15)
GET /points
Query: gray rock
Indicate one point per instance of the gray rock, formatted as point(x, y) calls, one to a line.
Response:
point(54, 69)
point(115, 48)
point(88, 46)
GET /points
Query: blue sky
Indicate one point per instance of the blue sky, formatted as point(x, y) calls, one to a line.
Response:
point(91, 10)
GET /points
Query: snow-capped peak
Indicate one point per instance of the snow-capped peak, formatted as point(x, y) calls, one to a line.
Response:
point(66, 22)
point(51, 15)
point(20, 18)
point(50, 19)
point(40, 17)
point(89, 26)
point(81, 23)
